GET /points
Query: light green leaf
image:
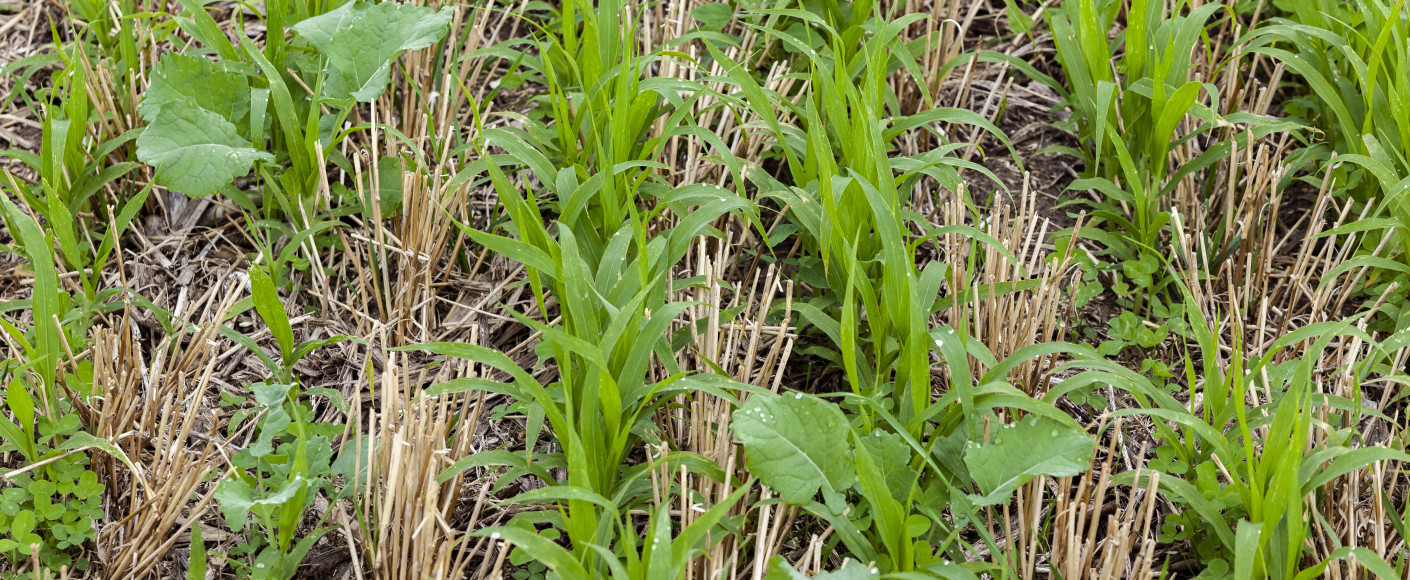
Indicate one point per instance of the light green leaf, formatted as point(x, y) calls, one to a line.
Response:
point(1021, 451)
point(266, 298)
point(276, 421)
point(178, 79)
point(20, 403)
point(1245, 548)
point(85, 440)
point(795, 444)
point(361, 40)
point(237, 498)
point(22, 524)
point(270, 394)
point(197, 569)
point(550, 554)
point(195, 151)
point(49, 300)
point(893, 457)
point(713, 15)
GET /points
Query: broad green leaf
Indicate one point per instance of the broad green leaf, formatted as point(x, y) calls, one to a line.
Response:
point(276, 421)
point(237, 498)
point(22, 524)
point(713, 15)
point(178, 79)
point(361, 40)
point(795, 444)
point(195, 151)
point(1021, 451)
point(893, 457)
point(270, 394)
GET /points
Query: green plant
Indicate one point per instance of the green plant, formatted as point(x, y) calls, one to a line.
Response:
point(601, 157)
point(51, 510)
point(283, 471)
point(1152, 132)
point(615, 232)
point(887, 472)
point(665, 556)
point(780, 570)
point(1351, 57)
point(48, 510)
point(210, 122)
point(1244, 472)
point(846, 200)
point(73, 168)
point(1127, 124)
point(614, 320)
point(885, 493)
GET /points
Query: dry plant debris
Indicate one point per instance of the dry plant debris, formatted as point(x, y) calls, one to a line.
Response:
point(698, 289)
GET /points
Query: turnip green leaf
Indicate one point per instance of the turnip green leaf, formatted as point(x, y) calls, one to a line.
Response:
point(1021, 451)
point(795, 444)
point(195, 151)
point(361, 40)
point(179, 78)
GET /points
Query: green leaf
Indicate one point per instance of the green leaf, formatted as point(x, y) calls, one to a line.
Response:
point(276, 421)
point(198, 555)
point(49, 301)
point(1019, 22)
point(893, 457)
point(237, 498)
point(267, 303)
point(1021, 451)
point(1245, 547)
point(195, 151)
point(713, 15)
point(22, 524)
point(84, 440)
point(40, 488)
point(179, 79)
point(270, 394)
point(551, 554)
point(196, 22)
point(361, 40)
point(21, 404)
point(795, 444)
